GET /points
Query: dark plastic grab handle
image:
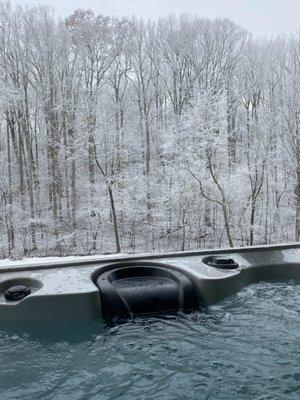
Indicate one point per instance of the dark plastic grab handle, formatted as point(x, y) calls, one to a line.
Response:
point(142, 290)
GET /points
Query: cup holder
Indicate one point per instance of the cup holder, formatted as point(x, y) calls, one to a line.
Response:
point(220, 262)
point(13, 290)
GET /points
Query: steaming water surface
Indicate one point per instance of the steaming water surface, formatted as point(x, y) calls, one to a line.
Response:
point(247, 347)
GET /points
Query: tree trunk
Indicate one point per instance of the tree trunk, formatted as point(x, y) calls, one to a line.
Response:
point(114, 218)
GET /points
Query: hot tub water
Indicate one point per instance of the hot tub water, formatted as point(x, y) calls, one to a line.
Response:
point(247, 347)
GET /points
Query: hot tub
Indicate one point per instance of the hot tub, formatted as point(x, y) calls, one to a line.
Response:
point(59, 339)
point(92, 288)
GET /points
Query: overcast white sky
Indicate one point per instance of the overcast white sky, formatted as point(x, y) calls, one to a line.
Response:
point(262, 17)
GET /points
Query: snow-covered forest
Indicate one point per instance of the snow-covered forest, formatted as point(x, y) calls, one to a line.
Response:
point(131, 135)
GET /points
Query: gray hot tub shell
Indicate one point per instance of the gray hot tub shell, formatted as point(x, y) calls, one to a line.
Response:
point(65, 289)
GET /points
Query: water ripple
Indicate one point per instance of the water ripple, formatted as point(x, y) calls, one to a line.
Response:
point(247, 347)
